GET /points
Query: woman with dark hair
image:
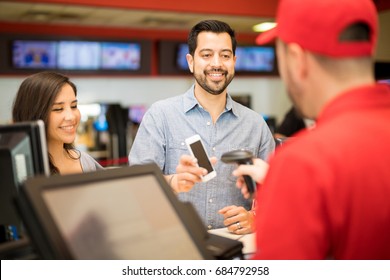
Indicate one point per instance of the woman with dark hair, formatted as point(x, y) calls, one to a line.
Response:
point(51, 97)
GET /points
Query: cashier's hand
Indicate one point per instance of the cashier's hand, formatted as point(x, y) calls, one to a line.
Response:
point(188, 173)
point(237, 219)
point(257, 171)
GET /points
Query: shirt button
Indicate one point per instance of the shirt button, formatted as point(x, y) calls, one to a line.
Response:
point(210, 200)
point(213, 148)
point(209, 227)
point(208, 123)
point(182, 143)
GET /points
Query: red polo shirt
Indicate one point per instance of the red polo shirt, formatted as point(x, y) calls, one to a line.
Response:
point(327, 192)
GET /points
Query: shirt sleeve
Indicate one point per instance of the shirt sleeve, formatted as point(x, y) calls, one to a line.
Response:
point(150, 142)
point(267, 146)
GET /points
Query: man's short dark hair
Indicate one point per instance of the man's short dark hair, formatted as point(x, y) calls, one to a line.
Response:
point(357, 32)
point(215, 26)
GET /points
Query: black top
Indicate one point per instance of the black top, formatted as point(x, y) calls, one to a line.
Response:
point(291, 123)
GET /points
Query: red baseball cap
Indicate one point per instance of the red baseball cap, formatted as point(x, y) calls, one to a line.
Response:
point(317, 24)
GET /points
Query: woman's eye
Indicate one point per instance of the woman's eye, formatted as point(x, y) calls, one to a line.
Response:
point(74, 106)
point(57, 109)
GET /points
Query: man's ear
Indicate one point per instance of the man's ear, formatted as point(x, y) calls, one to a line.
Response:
point(190, 61)
point(298, 61)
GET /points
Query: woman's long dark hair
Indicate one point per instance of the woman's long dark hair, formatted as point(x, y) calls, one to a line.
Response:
point(35, 99)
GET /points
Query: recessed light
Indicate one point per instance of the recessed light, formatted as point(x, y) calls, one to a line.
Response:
point(264, 26)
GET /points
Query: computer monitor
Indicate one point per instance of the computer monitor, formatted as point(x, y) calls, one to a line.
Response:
point(23, 154)
point(35, 54)
point(78, 55)
point(250, 59)
point(120, 56)
point(123, 213)
point(136, 113)
point(255, 59)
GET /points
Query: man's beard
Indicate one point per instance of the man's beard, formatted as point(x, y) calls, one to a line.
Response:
point(213, 87)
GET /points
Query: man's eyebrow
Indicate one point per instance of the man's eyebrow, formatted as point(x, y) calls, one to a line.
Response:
point(223, 50)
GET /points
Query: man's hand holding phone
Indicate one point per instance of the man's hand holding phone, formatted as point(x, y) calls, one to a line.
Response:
point(193, 169)
point(188, 173)
point(197, 149)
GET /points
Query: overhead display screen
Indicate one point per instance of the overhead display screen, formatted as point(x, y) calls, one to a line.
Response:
point(253, 59)
point(79, 55)
point(121, 56)
point(34, 54)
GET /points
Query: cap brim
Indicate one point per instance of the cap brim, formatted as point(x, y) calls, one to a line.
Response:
point(267, 37)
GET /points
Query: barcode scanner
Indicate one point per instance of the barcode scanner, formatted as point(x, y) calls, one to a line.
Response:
point(241, 157)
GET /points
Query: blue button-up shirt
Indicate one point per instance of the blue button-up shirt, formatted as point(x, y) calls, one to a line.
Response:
point(161, 139)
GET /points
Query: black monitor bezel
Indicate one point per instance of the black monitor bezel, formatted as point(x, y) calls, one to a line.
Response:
point(44, 231)
point(36, 132)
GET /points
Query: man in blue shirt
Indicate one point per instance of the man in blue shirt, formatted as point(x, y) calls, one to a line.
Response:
point(223, 124)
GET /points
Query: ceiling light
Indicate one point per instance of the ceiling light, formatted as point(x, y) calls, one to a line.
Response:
point(261, 27)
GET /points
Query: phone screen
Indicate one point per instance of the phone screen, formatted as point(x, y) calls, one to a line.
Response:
point(200, 154)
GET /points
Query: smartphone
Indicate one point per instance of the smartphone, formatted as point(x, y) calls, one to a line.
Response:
point(196, 148)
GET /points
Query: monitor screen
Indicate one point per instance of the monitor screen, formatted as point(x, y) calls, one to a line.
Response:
point(79, 55)
point(136, 113)
point(249, 58)
point(23, 154)
point(121, 56)
point(244, 99)
point(95, 112)
point(386, 82)
point(181, 60)
point(37, 135)
point(124, 213)
point(34, 54)
point(100, 123)
point(255, 59)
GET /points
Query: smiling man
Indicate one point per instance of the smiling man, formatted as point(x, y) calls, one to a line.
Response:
point(224, 125)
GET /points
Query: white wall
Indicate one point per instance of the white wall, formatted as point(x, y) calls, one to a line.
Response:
point(268, 94)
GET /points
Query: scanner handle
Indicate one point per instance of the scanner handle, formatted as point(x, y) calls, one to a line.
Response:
point(250, 183)
point(241, 157)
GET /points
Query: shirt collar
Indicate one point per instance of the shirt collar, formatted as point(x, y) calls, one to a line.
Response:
point(356, 99)
point(191, 102)
point(189, 99)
